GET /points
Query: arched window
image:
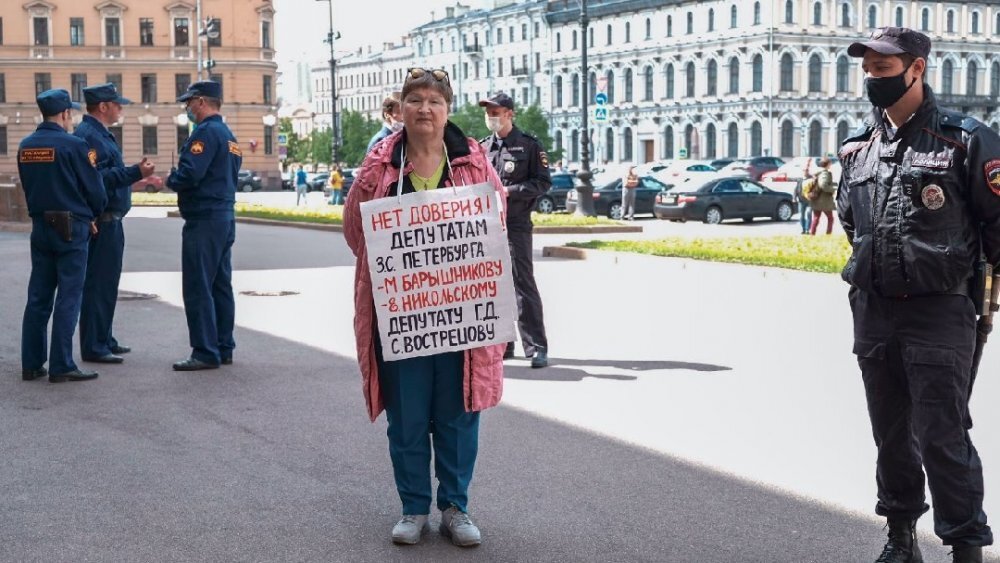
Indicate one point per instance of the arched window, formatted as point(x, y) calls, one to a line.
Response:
point(592, 84)
point(576, 90)
point(558, 91)
point(733, 141)
point(670, 82)
point(758, 73)
point(670, 26)
point(950, 22)
point(815, 74)
point(574, 41)
point(574, 147)
point(843, 76)
point(975, 22)
point(710, 141)
point(611, 87)
point(609, 143)
point(756, 139)
point(628, 32)
point(787, 138)
point(899, 16)
point(559, 140)
point(789, 12)
point(734, 76)
point(947, 72)
point(756, 13)
point(843, 130)
point(732, 16)
point(647, 94)
point(627, 144)
point(786, 73)
point(995, 79)
point(996, 26)
point(815, 139)
point(689, 71)
point(872, 17)
point(845, 15)
point(713, 78)
point(690, 23)
point(817, 14)
point(668, 142)
point(711, 19)
point(688, 138)
point(649, 28)
point(925, 19)
point(972, 79)
point(628, 85)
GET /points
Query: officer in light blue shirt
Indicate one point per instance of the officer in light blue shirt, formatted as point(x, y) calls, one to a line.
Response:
point(104, 261)
point(65, 194)
point(205, 182)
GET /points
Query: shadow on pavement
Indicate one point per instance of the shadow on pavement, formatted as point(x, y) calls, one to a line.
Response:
point(560, 369)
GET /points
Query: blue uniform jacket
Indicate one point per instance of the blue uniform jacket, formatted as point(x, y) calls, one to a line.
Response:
point(205, 178)
point(58, 173)
point(118, 178)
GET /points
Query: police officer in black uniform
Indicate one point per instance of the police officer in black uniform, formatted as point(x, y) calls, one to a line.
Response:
point(104, 260)
point(205, 182)
point(920, 201)
point(523, 167)
point(64, 193)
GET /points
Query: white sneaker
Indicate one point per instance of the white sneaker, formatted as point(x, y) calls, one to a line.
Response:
point(457, 525)
point(409, 529)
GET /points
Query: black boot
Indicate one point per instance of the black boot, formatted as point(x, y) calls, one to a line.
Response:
point(967, 554)
point(902, 545)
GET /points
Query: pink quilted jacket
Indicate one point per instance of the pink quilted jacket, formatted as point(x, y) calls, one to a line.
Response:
point(483, 373)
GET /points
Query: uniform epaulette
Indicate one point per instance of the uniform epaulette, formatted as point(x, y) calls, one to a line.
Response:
point(862, 133)
point(956, 119)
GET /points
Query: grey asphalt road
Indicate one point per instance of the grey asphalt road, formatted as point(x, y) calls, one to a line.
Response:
point(273, 459)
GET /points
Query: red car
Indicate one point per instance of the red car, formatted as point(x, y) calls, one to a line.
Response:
point(149, 184)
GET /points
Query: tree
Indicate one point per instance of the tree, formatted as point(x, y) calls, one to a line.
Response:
point(533, 122)
point(320, 146)
point(356, 130)
point(298, 147)
point(471, 119)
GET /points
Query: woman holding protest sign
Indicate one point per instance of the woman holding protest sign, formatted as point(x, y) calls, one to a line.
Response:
point(435, 396)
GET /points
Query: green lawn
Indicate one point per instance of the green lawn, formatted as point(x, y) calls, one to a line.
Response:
point(812, 254)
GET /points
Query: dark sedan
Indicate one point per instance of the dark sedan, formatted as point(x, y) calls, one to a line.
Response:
point(724, 198)
point(608, 198)
point(248, 181)
point(555, 198)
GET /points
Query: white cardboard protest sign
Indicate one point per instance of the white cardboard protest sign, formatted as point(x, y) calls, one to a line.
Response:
point(440, 269)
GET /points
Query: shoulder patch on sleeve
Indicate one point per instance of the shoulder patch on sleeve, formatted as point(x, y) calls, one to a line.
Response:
point(29, 156)
point(92, 156)
point(197, 147)
point(544, 158)
point(991, 171)
point(234, 148)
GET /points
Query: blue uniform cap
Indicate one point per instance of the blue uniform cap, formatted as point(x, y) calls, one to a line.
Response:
point(499, 99)
point(206, 88)
point(103, 93)
point(55, 101)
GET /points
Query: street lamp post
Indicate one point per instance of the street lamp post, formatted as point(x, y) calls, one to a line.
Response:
point(334, 129)
point(210, 31)
point(584, 190)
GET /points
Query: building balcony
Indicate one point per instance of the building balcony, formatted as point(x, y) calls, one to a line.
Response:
point(519, 71)
point(112, 52)
point(473, 50)
point(41, 52)
point(181, 52)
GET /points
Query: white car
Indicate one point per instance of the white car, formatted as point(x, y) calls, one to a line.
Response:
point(681, 171)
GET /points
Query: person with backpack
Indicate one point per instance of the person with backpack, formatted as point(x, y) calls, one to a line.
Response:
point(821, 197)
point(805, 212)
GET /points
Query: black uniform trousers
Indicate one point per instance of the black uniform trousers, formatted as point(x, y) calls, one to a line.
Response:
point(100, 290)
point(915, 356)
point(529, 303)
point(207, 279)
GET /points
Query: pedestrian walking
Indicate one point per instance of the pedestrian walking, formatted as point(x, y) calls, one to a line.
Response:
point(107, 247)
point(392, 120)
point(301, 186)
point(336, 184)
point(824, 203)
point(430, 399)
point(205, 182)
point(523, 167)
point(65, 194)
point(919, 200)
point(629, 184)
point(805, 212)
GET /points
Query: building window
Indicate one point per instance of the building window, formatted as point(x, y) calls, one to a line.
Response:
point(899, 16)
point(647, 94)
point(575, 99)
point(559, 140)
point(628, 32)
point(950, 25)
point(670, 26)
point(267, 89)
point(845, 15)
point(710, 141)
point(758, 73)
point(265, 34)
point(690, 23)
point(78, 81)
point(733, 141)
point(510, 35)
point(268, 139)
point(732, 16)
point(688, 134)
point(627, 144)
point(713, 78)
point(843, 130)
point(925, 20)
point(972, 79)
point(668, 142)
point(756, 139)
point(734, 76)
point(149, 144)
point(611, 87)
point(182, 135)
point(590, 37)
point(689, 78)
point(815, 138)
point(711, 19)
point(609, 143)
point(787, 139)
point(756, 13)
point(181, 32)
point(499, 36)
point(592, 83)
point(975, 22)
point(76, 31)
point(558, 41)
point(996, 27)
point(3, 140)
point(815, 74)
point(558, 95)
point(112, 32)
point(574, 146)
point(217, 40)
point(538, 30)
point(538, 61)
point(786, 73)
point(3, 87)
point(670, 82)
point(181, 83)
point(649, 29)
point(115, 79)
point(994, 81)
point(789, 12)
point(524, 32)
point(842, 74)
point(1, 31)
point(872, 17)
point(43, 82)
point(41, 26)
point(817, 14)
point(499, 67)
point(146, 32)
point(628, 85)
point(947, 72)
point(574, 47)
point(148, 82)
point(119, 135)
point(609, 34)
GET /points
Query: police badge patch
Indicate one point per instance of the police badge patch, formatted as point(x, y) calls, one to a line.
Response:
point(508, 166)
point(992, 172)
point(197, 147)
point(544, 158)
point(92, 156)
point(932, 197)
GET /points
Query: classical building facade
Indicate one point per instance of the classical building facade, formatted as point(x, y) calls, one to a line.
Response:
point(364, 78)
point(151, 50)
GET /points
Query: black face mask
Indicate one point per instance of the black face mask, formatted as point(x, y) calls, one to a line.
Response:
point(886, 91)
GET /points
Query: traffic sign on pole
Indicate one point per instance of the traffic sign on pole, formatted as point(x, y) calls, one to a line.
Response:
point(601, 114)
point(601, 98)
point(282, 139)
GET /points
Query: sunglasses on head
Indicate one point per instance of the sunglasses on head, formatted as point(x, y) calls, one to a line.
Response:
point(439, 74)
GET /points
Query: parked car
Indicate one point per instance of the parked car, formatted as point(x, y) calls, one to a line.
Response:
point(319, 182)
point(555, 198)
point(681, 171)
point(721, 163)
point(608, 198)
point(753, 167)
point(149, 184)
point(348, 174)
point(288, 180)
point(248, 181)
point(798, 167)
point(723, 198)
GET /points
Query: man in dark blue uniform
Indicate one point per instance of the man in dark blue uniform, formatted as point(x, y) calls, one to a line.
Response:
point(104, 261)
point(205, 182)
point(64, 193)
point(523, 167)
point(920, 202)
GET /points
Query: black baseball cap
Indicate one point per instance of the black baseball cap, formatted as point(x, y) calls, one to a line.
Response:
point(893, 41)
point(498, 99)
